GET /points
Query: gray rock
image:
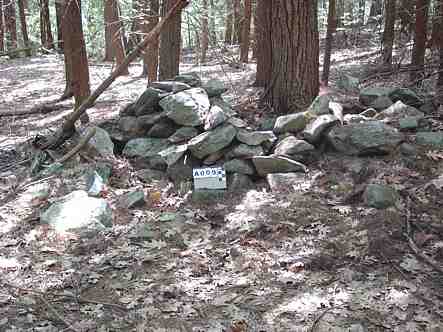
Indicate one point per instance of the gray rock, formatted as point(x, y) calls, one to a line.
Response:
point(214, 88)
point(255, 137)
point(148, 175)
point(237, 122)
point(410, 122)
point(337, 110)
point(170, 86)
point(292, 123)
point(245, 151)
point(132, 199)
point(224, 105)
point(239, 166)
point(320, 105)
point(78, 212)
point(147, 121)
point(347, 82)
point(144, 147)
point(182, 170)
point(162, 129)
point(147, 103)
point(267, 123)
point(128, 110)
point(173, 153)
point(191, 79)
point(381, 103)
point(101, 143)
point(214, 157)
point(369, 95)
point(318, 127)
point(428, 107)
point(239, 182)
point(293, 146)
point(130, 125)
point(433, 139)
point(212, 141)
point(183, 134)
point(276, 164)
point(407, 96)
point(187, 108)
point(398, 111)
point(408, 149)
point(283, 182)
point(372, 137)
point(215, 117)
point(380, 196)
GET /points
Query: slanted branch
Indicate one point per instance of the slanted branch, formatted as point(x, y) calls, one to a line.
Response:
point(68, 128)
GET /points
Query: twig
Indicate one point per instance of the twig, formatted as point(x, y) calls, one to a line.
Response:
point(319, 317)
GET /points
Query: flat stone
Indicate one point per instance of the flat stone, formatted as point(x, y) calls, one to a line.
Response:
point(292, 146)
point(255, 137)
point(170, 86)
point(212, 141)
point(244, 151)
point(292, 123)
point(144, 147)
point(276, 164)
point(183, 134)
point(398, 111)
point(318, 127)
point(239, 166)
point(148, 102)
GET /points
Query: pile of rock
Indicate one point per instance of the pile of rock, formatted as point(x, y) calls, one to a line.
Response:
point(178, 125)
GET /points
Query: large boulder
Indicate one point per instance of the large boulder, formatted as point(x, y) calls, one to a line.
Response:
point(212, 141)
point(276, 164)
point(147, 103)
point(187, 108)
point(292, 123)
point(78, 212)
point(372, 137)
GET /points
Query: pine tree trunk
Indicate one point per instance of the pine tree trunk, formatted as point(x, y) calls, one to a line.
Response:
point(2, 28)
point(237, 21)
point(246, 31)
point(204, 39)
point(406, 14)
point(170, 40)
point(388, 34)
point(24, 28)
point(439, 41)
point(150, 56)
point(59, 18)
point(376, 8)
point(419, 47)
point(10, 23)
point(134, 36)
point(361, 11)
point(229, 22)
point(45, 26)
point(212, 24)
point(75, 50)
point(295, 53)
point(340, 13)
point(264, 43)
point(328, 43)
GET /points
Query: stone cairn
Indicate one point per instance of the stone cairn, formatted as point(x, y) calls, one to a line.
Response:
point(178, 125)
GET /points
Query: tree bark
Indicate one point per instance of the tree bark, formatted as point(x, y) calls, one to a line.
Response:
point(229, 22)
point(420, 35)
point(2, 29)
point(295, 55)
point(134, 35)
point(328, 43)
point(24, 28)
point(406, 14)
point(388, 34)
point(439, 41)
point(150, 55)
point(361, 11)
point(246, 31)
point(376, 8)
point(204, 40)
point(340, 13)
point(59, 18)
point(68, 128)
point(75, 50)
point(170, 40)
point(10, 23)
point(115, 33)
point(264, 42)
point(237, 21)
point(45, 26)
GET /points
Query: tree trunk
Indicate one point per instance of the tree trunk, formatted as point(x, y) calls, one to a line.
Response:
point(264, 42)
point(361, 11)
point(376, 8)
point(24, 28)
point(170, 39)
point(212, 24)
point(388, 34)
point(237, 21)
point(2, 29)
point(295, 53)
point(246, 31)
point(229, 22)
point(45, 26)
point(406, 14)
point(75, 50)
point(59, 18)
point(439, 41)
point(340, 13)
point(10, 23)
point(328, 43)
point(150, 56)
point(113, 34)
point(419, 47)
point(134, 35)
point(204, 39)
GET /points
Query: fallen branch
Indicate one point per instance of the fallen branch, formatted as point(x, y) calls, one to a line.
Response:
point(83, 141)
point(68, 128)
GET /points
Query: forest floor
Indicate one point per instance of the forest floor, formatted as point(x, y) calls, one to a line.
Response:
point(303, 260)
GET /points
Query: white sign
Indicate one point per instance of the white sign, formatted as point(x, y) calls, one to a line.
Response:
point(209, 178)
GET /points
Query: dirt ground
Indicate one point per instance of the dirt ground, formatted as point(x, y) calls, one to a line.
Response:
point(303, 260)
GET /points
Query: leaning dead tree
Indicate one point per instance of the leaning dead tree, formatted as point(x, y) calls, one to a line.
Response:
point(68, 127)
